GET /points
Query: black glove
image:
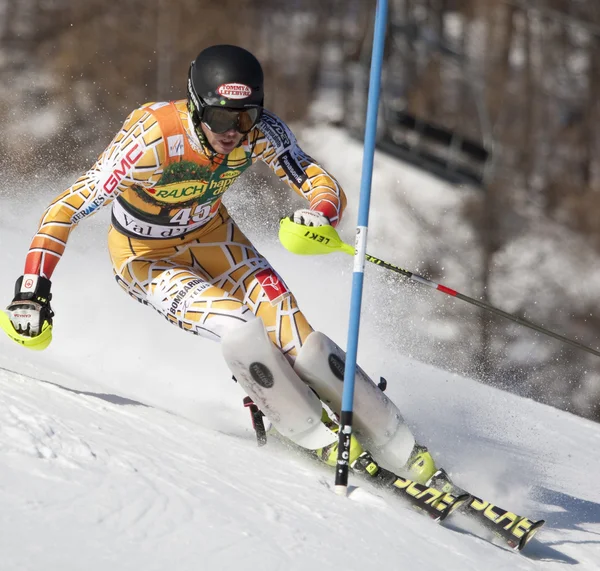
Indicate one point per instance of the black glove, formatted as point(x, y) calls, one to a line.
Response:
point(30, 308)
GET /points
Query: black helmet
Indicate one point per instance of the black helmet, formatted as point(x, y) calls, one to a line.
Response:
point(227, 76)
point(225, 90)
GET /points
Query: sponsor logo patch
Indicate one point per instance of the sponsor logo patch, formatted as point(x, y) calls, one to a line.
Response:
point(175, 145)
point(180, 191)
point(89, 209)
point(272, 285)
point(138, 227)
point(234, 90)
point(337, 366)
point(275, 132)
point(181, 295)
point(261, 374)
point(291, 167)
point(29, 283)
point(230, 174)
point(129, 160)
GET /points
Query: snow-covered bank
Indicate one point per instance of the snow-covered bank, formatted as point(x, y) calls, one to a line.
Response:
point(92, 481)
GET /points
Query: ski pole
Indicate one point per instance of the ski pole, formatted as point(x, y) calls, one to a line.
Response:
point(325, 240)
point(520, 320)
point(345, 430)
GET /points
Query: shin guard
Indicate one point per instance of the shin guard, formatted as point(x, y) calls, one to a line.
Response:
point(268, 378)
point(377, 421)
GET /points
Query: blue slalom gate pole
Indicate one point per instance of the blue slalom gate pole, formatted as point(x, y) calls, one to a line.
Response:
point(341, 474)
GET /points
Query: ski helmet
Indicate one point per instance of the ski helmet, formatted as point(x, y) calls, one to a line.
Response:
point(225, 89)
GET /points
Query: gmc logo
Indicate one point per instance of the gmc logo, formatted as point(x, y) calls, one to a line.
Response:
point(118, 174)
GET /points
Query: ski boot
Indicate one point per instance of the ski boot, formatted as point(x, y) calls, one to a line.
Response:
point(420, 466)
point(441, 481)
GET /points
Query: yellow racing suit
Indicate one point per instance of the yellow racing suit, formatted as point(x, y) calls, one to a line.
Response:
point(172, 243)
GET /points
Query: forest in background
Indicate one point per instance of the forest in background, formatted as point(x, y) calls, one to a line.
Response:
point(521, 77)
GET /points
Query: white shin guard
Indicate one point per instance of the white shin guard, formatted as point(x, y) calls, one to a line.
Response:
point(377, 421)
point(268, 378)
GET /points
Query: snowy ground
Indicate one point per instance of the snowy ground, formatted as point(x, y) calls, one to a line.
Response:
point(125, 445)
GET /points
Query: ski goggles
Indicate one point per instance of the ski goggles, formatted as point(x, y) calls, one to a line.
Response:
point(219, 119)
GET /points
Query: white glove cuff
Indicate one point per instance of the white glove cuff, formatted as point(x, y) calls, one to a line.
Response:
point(309, 217)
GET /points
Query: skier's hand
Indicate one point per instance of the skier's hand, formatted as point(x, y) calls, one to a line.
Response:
point(308, 217)
point(30, 308)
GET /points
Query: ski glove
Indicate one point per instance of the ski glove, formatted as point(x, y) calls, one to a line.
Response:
point(30, 308)
point(308, 217)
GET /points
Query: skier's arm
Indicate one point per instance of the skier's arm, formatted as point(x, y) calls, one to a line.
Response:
point(125, 162)
point(277, 147)
point(128, 160)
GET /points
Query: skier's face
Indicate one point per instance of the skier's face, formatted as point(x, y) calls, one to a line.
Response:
point(223, 143)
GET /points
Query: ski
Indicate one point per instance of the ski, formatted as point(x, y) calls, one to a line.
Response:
point(514, 530)
point(435, 503)
point(438, 499)
point(438, 505)
point(510, 529)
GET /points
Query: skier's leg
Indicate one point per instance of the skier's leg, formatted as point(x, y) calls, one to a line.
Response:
point(268, 378)
point(210, 282)
point(377, 421)
point(217, 287)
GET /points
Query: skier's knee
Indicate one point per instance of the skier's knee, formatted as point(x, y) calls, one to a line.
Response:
point(377, 421)
point(185, 300)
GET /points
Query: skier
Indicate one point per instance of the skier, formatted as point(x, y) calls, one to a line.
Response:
point(175, 248)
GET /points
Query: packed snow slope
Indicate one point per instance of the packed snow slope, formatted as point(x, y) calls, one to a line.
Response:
point(125, 446)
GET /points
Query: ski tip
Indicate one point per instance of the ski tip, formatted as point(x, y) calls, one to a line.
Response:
point(530, 533)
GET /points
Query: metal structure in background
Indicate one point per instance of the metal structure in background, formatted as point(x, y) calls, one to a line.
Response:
point(437, 146)
point(345, 432)
point(417, 139)
point(441, 151)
